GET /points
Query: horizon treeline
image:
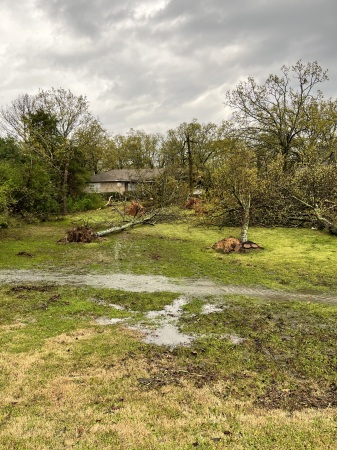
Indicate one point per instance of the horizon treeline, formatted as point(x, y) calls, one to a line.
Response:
point(273, 163)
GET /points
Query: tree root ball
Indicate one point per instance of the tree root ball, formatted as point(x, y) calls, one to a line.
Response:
point(135, 209)
point(81, 234)
point(196, 204)
point(232, 244)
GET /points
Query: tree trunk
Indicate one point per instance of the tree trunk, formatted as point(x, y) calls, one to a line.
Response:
point(65, 188)
point(190, 165)
point(327, 224)
point(118, 229)
point(245, 222)
point(331, 227)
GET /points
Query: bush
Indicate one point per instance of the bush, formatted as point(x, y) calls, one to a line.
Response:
point(85, 203)
point(3, 222)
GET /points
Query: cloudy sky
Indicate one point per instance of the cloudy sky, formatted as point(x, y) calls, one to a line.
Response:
point(153, 64)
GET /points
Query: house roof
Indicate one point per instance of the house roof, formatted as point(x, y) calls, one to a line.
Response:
point(126, 175)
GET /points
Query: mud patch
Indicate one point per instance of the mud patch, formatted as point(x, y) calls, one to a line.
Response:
point(301, 397)
point(152, 283)
point(210, 308)
point(107, 321)
point(30, 287)
point(163, 371)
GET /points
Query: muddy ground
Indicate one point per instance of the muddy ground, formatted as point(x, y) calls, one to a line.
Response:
point(152, 283)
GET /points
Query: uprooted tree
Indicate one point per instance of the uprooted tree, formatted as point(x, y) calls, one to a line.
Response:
point(133, 215)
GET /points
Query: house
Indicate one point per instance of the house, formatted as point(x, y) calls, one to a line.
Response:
point(120, 181)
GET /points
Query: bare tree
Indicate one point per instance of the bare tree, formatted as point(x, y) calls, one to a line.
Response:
point(275, 115)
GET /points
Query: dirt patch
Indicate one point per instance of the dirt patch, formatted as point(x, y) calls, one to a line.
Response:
point(164, 371)
point(301, 397)
point(26, 254)
point(29, 287)
point(23, 292)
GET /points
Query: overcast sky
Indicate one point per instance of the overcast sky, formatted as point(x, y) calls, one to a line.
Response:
point(153, 64)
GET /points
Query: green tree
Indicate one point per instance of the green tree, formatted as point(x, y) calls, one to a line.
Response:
point(135, 150)
point(236, 182)
point(189, 148)
point(58, 128)
point(25, 184)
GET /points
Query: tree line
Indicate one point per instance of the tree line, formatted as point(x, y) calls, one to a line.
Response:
point(272, 163)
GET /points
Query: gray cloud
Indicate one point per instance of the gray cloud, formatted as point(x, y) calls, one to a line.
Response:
point(153, 64)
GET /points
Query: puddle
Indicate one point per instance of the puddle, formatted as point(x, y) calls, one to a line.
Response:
point(174, 310)
point(100, 302)
point(167, 334)
point(166, 331)
point(107, 321)
point(234, 338)
point(209, 308)
point(153, 283)
point(161, 327)
point(118, 307)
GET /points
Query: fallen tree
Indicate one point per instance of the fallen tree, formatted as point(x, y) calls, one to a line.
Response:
point(322, 217)
point(133, 223)
point(80, 234)
point(85, 234)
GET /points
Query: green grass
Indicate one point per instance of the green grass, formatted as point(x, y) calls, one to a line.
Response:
point(67, 382)
point(292, 259)
point(261, 374)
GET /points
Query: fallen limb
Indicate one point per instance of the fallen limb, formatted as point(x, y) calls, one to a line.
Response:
point(326, 223)
point(133, 223)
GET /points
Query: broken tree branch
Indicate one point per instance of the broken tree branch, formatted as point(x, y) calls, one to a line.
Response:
point(324, 221)
point(117, 229)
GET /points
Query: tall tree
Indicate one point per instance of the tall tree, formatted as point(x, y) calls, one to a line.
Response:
point(190, 147)
point(277, 115)
point(12, 118)
point(134, 150)
point(56, 125)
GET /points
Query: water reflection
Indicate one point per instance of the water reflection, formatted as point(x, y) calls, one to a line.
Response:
point(161, 327)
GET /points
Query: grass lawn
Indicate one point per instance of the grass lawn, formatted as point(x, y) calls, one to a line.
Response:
point(260, 374)
point(292, 259)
